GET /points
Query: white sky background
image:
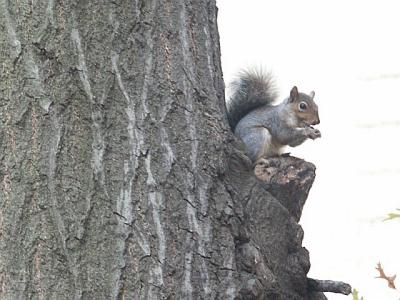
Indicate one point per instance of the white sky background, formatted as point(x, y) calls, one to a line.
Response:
point(349, 53)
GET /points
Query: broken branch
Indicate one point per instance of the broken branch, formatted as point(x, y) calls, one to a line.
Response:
point(339, 287)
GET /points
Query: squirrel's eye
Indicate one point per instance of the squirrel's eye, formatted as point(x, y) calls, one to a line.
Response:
point(303, 106)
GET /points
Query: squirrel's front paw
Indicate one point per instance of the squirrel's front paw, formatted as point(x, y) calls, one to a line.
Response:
point(313, 133)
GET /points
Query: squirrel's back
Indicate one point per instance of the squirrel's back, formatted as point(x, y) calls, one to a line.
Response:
point(251, 89)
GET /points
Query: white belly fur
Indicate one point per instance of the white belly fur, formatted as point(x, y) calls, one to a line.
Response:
point(270, 147)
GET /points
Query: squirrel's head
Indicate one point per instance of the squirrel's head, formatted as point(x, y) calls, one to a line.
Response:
point(304, 107)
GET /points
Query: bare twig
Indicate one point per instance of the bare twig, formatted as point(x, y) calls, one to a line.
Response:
point(389, 279)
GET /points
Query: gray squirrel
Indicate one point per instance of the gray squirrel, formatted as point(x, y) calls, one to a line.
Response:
point(264, 128)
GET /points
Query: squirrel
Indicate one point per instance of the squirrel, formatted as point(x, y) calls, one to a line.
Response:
point(265, 128)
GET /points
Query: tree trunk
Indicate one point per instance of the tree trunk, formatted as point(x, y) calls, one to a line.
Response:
point(118, 175)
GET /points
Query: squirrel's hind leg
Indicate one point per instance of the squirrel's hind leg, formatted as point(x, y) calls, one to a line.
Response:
point(260, 148)
point(258, 143)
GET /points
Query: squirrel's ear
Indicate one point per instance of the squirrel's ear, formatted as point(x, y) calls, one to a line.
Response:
point(294, 94)
point(312, 94)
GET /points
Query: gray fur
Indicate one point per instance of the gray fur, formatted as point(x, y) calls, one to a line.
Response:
point(266, 129)
point(254, 88)
point(281, 130)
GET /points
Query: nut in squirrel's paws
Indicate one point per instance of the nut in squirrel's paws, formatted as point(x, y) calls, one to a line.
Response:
point(313, 133)
point(264, 169)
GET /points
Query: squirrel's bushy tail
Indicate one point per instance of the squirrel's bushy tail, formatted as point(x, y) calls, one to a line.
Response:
point(250, 90)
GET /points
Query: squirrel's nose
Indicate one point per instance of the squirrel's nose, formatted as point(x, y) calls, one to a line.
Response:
point(316, 122)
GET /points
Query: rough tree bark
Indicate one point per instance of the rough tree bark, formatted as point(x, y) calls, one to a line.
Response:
point(119, 178)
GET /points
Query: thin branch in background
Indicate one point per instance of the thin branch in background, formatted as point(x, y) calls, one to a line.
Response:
point(389, 279)
point(392, 216)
